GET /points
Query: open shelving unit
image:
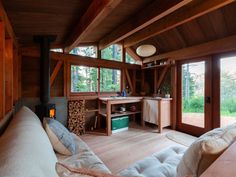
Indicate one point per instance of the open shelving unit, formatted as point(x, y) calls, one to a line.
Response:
point(126, 113)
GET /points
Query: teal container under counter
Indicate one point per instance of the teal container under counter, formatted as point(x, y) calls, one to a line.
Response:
point(119, 124)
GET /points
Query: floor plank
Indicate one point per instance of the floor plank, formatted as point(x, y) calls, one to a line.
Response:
point(121, 150)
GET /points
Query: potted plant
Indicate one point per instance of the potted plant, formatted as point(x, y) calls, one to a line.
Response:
point(166, 89)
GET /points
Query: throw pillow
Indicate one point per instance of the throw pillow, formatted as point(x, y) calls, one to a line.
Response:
point(205, 150)
point(66, 171)
point(60, 138)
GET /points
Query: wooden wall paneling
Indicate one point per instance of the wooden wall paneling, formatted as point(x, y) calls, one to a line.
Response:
point(174, 96)
point(30, 76)
point(19, 76)
point(8, 75)
point(16, 76)
point(9, 30)
point(185, 14)
point(55, 72)
point(2, 70)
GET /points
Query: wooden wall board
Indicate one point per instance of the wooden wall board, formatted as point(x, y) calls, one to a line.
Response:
point(8, 75)
point(2, 70)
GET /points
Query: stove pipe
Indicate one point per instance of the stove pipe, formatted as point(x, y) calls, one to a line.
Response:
point(44, 42)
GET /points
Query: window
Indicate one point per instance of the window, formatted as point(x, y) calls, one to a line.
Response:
point(110, 80)
point(129, 59)
point(57, 50)
point(88, 51)
point(113, 52)
point(83, 79)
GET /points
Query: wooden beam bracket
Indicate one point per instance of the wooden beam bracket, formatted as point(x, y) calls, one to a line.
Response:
point(55, 72)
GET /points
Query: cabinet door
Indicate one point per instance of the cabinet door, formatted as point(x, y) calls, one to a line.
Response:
point(150, 111)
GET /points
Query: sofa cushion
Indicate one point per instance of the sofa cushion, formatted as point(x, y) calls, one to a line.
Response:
point(60, 137)
point(67, 171)
point(85, 157)
point(205, 150)
point(161, 164)
point(25, 149)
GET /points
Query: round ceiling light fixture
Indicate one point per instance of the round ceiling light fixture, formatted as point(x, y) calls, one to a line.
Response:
point(146, 50)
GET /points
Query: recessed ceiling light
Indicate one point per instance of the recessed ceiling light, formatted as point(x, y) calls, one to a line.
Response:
point(146, 50)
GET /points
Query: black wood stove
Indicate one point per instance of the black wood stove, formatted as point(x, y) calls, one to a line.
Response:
point(45, 109)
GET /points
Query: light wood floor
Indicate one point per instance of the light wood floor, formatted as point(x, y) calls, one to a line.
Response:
point(120, 150)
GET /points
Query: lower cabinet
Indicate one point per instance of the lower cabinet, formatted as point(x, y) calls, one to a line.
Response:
point(157, 111)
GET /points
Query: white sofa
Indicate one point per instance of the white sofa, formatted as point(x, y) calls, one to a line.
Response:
point(25, 151)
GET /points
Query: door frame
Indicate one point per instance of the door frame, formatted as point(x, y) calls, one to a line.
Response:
point(190, 129)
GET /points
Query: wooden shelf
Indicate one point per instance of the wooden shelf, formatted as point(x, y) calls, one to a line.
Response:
point(156, 66)
point(92, 110)
point(122, 114)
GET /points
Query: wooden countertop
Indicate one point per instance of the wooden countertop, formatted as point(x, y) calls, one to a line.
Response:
point(132, 98)
point(157, 98)
point(120, 98)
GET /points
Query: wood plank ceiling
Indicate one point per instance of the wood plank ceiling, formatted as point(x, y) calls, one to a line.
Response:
point(61, 17)
point(212, 26)
point(44, 17)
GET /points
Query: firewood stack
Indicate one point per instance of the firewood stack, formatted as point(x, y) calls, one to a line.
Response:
point(76, 116)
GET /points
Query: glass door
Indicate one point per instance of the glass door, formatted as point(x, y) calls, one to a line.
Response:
point(227, 91)
point(194, 97)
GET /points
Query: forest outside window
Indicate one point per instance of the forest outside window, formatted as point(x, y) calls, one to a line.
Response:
point(87, 51)
point(110, 80)
point(84, 79)
point(113, 52)
point(129, 59)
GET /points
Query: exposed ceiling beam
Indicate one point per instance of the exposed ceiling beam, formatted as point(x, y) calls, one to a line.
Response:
point(133, 54)
point(97, 11)
point(187, 13)
point(149, 14)
point(214, 47)
point(81, 60)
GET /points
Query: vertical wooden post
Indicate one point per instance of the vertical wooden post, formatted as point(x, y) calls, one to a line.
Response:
point(65, 79)
point(142, 78)
point(155, 81)
point(2, 70)
point(8, 75)
point(174, 96)
point(108, 121)
point(134, 82)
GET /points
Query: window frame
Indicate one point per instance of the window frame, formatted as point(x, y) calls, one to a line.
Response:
point(98, 92)
point(120, 80)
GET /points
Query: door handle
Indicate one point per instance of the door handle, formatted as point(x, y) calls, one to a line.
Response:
point(208, 99)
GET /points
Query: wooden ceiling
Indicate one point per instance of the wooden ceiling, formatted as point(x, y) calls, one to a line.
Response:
point(168, 24)
point(44, 17)
point(212, 26)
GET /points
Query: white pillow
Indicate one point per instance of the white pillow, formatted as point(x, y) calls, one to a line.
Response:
point(60, 138)
point(205, 150)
